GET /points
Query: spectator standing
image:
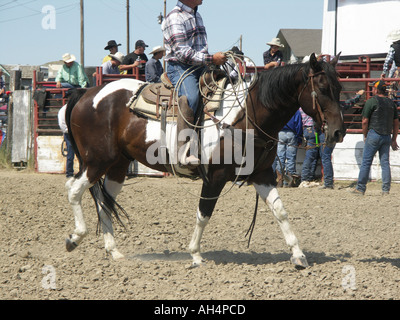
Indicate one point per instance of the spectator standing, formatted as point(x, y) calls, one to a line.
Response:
point(311, 156)
point(70, 149)
point(153, 68)
point(393, 56)
point(290, 138)
point(380, 125)
point(315, 137)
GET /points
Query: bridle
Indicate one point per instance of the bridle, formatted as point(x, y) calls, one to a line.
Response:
point(314, 95)
point(316, 104)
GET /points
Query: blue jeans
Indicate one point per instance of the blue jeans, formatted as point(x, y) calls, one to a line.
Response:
point(311, 157)
point(189, 86)
point(70, 157)
point(287, 152)
point(326, 159)
point(373, 144)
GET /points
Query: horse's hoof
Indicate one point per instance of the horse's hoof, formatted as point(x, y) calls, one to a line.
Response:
point(117, 256)
point(70, 245)
point(299, 262)
point(197, 264)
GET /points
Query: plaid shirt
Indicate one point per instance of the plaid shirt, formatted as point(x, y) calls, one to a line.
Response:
point(185, 37)
point(306, 119)
point(388, 61)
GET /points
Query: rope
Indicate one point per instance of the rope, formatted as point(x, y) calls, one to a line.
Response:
point(241, 85)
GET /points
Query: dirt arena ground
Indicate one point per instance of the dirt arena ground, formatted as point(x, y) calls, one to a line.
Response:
point(351, 242)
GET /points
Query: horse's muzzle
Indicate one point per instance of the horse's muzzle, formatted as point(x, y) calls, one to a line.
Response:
point(338, 135)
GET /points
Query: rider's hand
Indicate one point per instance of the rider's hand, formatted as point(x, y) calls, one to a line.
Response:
point(219, 58)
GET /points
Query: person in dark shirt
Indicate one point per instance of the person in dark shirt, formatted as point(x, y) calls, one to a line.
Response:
point(273, 57)
point(136, 58)
point(380, 125)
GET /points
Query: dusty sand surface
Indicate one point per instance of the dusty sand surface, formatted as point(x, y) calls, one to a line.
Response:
point(351, 242)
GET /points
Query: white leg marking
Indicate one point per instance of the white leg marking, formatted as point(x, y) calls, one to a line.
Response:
point(194, 246)
point(113, 188)
point(76, 188)
point(270, 195)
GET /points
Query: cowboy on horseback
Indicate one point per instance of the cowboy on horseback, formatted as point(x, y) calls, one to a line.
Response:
point(187, 55)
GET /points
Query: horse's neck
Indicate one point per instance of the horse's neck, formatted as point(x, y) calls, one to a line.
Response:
point(270, 120)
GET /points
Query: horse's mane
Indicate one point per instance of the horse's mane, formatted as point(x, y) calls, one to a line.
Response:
point(278, 87)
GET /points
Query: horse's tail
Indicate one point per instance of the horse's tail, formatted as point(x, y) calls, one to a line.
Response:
point(103, 200)
point(107, 203)
point(74, 96)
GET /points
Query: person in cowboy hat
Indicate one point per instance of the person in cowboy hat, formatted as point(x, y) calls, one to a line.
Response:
point(153, 68)
point(273, 57)
point(71, 75)
point(187, 50)
point(112, 66)
point(112, 46)
point(136, 58)
point(393, 56)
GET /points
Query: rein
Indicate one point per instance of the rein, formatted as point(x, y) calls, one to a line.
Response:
point(314, 95)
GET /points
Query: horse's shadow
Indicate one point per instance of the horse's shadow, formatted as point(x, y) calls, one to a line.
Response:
point(240, 258)
point(393, 262)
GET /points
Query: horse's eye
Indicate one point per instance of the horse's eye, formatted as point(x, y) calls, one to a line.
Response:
point(324, 91)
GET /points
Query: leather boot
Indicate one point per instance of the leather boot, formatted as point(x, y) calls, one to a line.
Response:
point(290, 182)
point(280, 179)
point(184, 146)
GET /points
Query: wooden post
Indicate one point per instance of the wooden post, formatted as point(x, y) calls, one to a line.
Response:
point(15, 80)
point(82, 36)
point(127, 27)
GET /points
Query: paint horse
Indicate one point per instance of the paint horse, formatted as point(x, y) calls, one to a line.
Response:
point(108, 135)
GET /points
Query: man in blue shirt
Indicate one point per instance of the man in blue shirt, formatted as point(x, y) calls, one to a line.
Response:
point(153, 68)
point(112, 66)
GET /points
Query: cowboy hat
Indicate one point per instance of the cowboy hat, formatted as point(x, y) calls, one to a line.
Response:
point(394, 35)
point(68, 58)
point(110, 44)
point(117, 56)
point(157, 49)
point(275, 42)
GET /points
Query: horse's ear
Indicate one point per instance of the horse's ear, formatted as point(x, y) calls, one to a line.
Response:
point(336, 59)
point(314, 63)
